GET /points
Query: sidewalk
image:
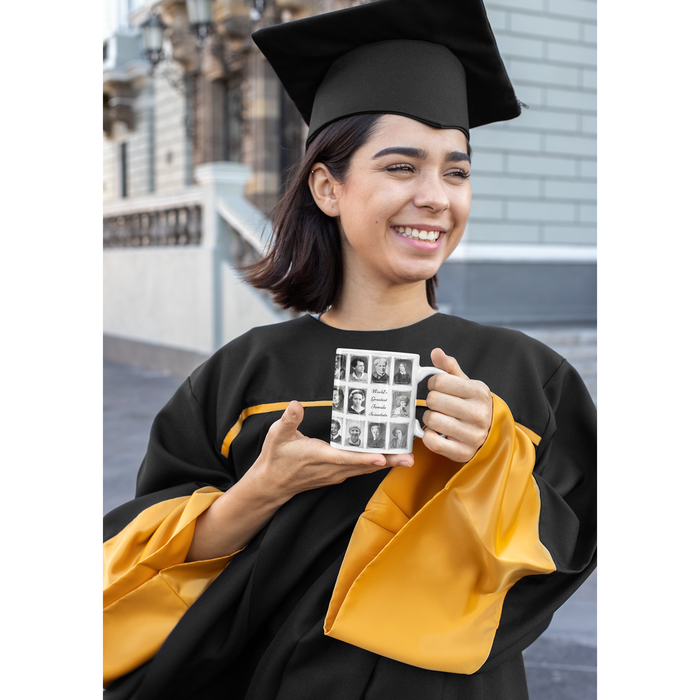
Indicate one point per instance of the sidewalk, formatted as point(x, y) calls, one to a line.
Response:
point(561, 665)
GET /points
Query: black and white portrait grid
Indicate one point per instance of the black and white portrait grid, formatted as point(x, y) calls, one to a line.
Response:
point(372, 400)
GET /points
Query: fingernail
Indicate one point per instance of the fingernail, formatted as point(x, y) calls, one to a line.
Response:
point(403, 464)
point(378, 464)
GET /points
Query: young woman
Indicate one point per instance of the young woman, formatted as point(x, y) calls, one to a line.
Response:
point(259, 562)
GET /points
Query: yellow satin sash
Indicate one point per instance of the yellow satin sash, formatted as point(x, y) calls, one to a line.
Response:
point(436, 550)
point(148, 586)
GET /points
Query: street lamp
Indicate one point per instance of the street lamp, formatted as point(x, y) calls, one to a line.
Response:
point(201, 16)
point(257, 8)
point(152, 33)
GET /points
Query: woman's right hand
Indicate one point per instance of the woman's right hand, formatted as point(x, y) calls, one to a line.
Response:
point(289, 463)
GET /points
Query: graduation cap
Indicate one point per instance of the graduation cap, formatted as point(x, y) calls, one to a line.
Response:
point(432, 60)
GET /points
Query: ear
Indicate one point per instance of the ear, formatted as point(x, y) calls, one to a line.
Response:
point(324, 189)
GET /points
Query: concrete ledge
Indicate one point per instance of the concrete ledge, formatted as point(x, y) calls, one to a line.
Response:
point(179, 363)
point(505, 293)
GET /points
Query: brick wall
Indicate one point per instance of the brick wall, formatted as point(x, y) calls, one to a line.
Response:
point(534, 178)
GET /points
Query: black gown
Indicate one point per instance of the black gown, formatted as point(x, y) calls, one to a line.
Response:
point(256, 633)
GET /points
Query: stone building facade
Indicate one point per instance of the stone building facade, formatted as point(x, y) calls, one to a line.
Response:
point(529, 253)
point(211, 103)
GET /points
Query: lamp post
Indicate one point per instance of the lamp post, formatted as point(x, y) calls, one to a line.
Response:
point(257, 8)
point(152, 34)
point(201, 16)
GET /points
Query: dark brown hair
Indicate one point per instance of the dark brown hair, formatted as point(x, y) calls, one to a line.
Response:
point(303, 269)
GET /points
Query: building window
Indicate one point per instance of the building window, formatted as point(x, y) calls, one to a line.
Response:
point(122, 159)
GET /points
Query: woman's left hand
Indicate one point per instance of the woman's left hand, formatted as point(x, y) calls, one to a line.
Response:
point(460, 409)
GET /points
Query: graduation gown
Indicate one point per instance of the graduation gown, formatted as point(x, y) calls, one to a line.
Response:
point(411, 583)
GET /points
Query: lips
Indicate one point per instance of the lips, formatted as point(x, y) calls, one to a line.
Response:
point(417, 233)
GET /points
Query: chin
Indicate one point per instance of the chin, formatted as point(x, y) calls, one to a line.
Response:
point(419, 274)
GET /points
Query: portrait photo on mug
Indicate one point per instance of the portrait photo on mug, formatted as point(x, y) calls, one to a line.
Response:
point(397, 436)
point(380, 370)
point(400, 404)
point(336, 430)
point(358, 369)
point(403, 369)
point(338, 399)
point(355, 433)
point(376, 435)
point(356, 402)
point(340, 367)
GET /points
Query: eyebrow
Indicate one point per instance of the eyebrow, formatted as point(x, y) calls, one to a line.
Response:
point(421, 154)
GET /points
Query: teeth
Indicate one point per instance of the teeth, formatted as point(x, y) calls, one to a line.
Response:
point(408, 232)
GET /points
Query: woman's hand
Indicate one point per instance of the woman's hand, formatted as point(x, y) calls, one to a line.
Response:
point(289, 463)
point(460, 409)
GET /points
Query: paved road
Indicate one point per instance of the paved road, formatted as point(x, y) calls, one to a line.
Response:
point(561, 665)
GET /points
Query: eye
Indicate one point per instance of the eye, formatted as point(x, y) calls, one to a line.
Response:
point(459, 174)
point(401, 168)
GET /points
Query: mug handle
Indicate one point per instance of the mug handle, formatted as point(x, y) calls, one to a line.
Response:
point(424, 372)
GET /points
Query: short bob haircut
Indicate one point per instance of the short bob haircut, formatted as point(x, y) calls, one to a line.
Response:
point(303, 268)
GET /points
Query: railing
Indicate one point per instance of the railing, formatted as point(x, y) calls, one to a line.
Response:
point(174, 220)
point(246, 244)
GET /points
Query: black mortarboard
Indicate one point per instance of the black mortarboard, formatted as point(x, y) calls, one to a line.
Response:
point(432, 60)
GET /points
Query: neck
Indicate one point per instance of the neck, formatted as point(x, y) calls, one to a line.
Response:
point(364, 307)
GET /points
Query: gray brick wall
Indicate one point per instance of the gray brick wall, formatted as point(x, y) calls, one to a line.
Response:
point(534, 178)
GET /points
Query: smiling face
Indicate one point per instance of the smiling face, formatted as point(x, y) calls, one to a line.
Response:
point(405, 202)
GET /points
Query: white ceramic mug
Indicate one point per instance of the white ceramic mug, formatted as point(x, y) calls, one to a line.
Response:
point(374, 400)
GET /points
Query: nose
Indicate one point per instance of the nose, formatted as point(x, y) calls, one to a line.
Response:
point(431, 193)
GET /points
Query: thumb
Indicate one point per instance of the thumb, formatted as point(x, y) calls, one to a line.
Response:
point(290, 420)
point(443, 361)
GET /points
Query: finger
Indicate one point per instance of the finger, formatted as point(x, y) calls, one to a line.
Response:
point(470, 434)
point(320, 452)
point(286, 427)
point(452, 449)
point(449, 405)
point(347, 472)
point(473, 405)
point(443, 361)
point(462, 387)
point(405, 460)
